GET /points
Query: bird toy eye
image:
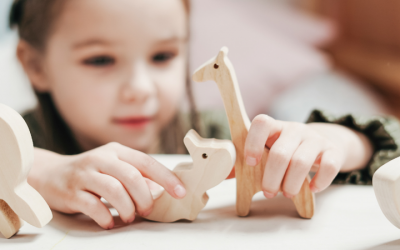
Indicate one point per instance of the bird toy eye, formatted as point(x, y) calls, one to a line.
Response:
point(216, 66)
point(205, 156)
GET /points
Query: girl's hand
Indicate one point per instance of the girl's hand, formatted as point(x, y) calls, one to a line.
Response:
point(73, 184)
point(297, 148)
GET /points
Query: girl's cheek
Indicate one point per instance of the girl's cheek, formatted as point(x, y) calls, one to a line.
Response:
point(171, 90)
point(83, 97)
point(173, 82)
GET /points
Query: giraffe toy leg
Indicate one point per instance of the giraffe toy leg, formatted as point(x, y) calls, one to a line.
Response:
point(304, 200)
point(243, 204)
point(249, 180)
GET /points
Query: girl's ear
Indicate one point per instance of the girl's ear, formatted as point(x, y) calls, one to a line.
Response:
point(31, 61)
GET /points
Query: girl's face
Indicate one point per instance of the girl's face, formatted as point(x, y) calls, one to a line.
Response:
point(116, 69)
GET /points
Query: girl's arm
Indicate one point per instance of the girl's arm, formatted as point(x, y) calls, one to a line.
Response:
point(297, 148)
point(73, 184)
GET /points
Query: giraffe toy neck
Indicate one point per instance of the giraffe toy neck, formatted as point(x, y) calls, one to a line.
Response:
point(233, 102)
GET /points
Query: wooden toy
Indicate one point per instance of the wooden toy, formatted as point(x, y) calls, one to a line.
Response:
point(248, 178)
point(212, 162)
point(386, 183)
point(18, 200)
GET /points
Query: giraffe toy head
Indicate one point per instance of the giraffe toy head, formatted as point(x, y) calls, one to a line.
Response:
point(207, 71)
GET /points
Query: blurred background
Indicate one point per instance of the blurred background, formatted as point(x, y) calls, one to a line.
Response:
point(290, 56)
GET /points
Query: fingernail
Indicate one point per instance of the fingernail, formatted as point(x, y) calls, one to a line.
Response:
point(269, 195)
point(288, 195)
point(314, 189)
point(180, 191)
point(111, 226)
point(251, 161)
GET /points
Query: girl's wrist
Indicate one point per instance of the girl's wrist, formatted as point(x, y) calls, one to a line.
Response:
point(356, 147)
point(44, 160)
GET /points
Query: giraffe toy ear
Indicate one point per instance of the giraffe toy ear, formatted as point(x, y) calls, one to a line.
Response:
point(220, 59)
point(192, 141)
point(223, 52)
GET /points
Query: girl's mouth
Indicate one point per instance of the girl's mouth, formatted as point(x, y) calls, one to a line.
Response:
point(133, 122)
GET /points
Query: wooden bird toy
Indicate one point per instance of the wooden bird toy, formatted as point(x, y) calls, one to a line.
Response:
point(18, 200)
point(386, 183)
point(212, 162)
point(248, 178)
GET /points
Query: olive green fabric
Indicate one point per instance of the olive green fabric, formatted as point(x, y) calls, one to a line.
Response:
point(383, 132)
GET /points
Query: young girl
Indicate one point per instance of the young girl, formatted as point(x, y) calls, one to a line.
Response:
point(110, 77)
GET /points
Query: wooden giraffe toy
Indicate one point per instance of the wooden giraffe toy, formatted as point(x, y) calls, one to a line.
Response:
point(386, 182)
point(248, 178)
point(212, 162)
point(18, 200)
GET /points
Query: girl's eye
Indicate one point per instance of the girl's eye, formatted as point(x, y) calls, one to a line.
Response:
point(99, 61)
point(163, 57)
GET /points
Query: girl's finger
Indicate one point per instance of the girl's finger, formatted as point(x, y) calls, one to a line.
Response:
point(278, 161)
point(331, 162)
point(92, 206)
point(261, 128)
point(300, 165)
point(112, 190)
point(134, 183)
point(151, 168)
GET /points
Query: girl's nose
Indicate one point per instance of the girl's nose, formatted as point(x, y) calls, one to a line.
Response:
point(139, 85)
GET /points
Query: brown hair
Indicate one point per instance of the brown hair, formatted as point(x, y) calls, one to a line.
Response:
point(34, 19)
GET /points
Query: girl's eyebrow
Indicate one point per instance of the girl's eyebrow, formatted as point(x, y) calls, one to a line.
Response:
point(173, 39)
point(89, 42)
point(96, 41)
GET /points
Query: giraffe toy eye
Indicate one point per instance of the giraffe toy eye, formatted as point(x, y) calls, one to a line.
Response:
point(216, 66)
point(205, 156)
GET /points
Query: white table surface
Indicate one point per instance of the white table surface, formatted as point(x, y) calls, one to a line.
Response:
point(346, 217)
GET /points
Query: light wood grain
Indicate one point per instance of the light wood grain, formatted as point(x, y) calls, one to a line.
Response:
point(249, 178)
point(386, 182)
point(16, 158)
point(305, 201)
point(212, 162)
